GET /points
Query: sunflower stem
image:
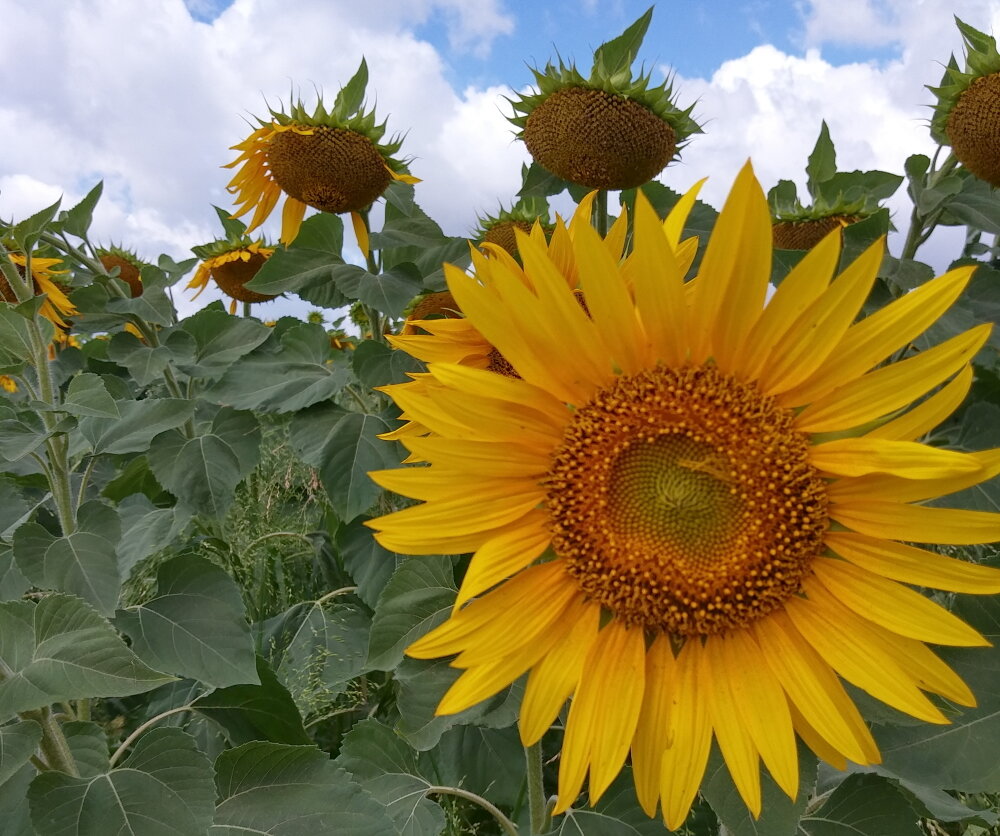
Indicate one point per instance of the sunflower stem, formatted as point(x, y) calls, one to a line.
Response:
point(506, 825)
point(536, 789)
point(600, 216)
point(246, 310)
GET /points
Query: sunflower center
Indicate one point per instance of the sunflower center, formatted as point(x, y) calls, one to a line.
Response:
point(684, 501)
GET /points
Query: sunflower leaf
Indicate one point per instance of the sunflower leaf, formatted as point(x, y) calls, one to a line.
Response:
point(17, 744)
point(164, 786)
point(822, 163)
point(27, 232)
point(270, 788)
point(82, 563)
point(196, 625)
point(352, 95)
point(62, 649)
point(140, 421)
point(617, 55)
point(863, 805)
point(76, 221)
point(369, 565)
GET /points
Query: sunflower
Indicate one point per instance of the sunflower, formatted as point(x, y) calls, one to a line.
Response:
point(965, 116)
point(609, 130)
point(686, 511)
point(7, 383)
point(231, 264)
point(331, 160)
point(499, 229)
point(44, 277)
point(128, 263)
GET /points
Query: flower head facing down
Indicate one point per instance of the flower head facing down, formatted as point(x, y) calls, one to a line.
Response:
point(231, 265)
point(45, 280)
point(685, 510)
point(128, 264)
point(332, 160)
point(499, 229)
point(966, 115)
point(607, 131)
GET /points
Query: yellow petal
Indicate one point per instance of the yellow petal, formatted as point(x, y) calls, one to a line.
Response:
point(736, 744)
point(814, 689)
point(880, 392)
point(361, 233)
point(817, 333)
point(885, 331)
point(845, 642)
point(555, 677)
point(291, 220)
point(903, 459)
point(690, 739)
point(912, 565)
point(673, 226)
point(504, 555)
point(823, 750)
point(603, 714)
point(926, 415)
point(894, 606)
point(917, 523)
point(733, 276)
point(803, 285)
point(652, 734)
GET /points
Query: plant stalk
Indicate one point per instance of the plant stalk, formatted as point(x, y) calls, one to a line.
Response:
point(537, 811)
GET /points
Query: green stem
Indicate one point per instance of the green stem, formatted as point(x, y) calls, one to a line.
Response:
point(600, 217)
point(536, 789)
point(246, 310)
point(275, 534)
point(54, 747)
point(84, 480)
point(128, 741)
point(344, 590)
point(508, 827)
point(375, 319)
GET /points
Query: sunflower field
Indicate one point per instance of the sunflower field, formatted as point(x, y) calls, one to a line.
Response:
point(656, 517)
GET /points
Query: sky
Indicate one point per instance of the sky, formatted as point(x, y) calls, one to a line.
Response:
point(148, 95)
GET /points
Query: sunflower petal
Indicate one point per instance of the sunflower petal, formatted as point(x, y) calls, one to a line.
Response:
point(905, 459)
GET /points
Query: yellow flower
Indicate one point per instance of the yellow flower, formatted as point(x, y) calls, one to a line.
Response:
point(7, 383)
point(329, 160)
point(231, 265)
point(43, 273)
point(686, 511)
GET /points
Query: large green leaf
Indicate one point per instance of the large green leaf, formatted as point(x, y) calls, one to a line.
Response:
point(14, 811)
point(310, 259)
point(344, 446)
point(14, 507)
point(76, 221)
point(266, 788)
point(387, 768)
point(388, 292)
point(154, 304)
point(146, 530)
point(15, 335)
point(83, 563)
point(13, 584)
point(88, 743)
point(18, 742)
point(780, 814)
point(196, 625)
point(145, 363)
point(164, 788)
point(376, 364)
point(255, 712)
point(87, 395)
point(486, 761)
point(62, 649)
point(863, 805)
point(220, 340)
point(617, 814)
point(140, 421)
point(617, 55)
point(298, 375)
point(418, 597)
point(369, 565)
point(203, 471)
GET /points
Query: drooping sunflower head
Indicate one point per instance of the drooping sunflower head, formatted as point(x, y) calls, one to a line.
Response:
point(332, 160)
point(611, 130)
point(231, 265)
point(499, 229)
point(967, 114)
point(128, 264)
point(837, 199)
point(686, 508)
point(45, 279)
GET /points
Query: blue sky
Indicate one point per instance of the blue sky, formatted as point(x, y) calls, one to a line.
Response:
point(149, 95)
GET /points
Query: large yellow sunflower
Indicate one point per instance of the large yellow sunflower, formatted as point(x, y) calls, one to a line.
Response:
point(687, 511)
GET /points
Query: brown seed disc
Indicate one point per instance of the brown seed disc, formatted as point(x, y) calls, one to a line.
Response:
point(684, 501)
point(974, 128)
point(501, 365)
point(598, 140)
point(333, 170)
point(129, 272)
point(7, 292)
point(432, 306)
point(502, 234)
point(231, 276)
point(804, 235)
